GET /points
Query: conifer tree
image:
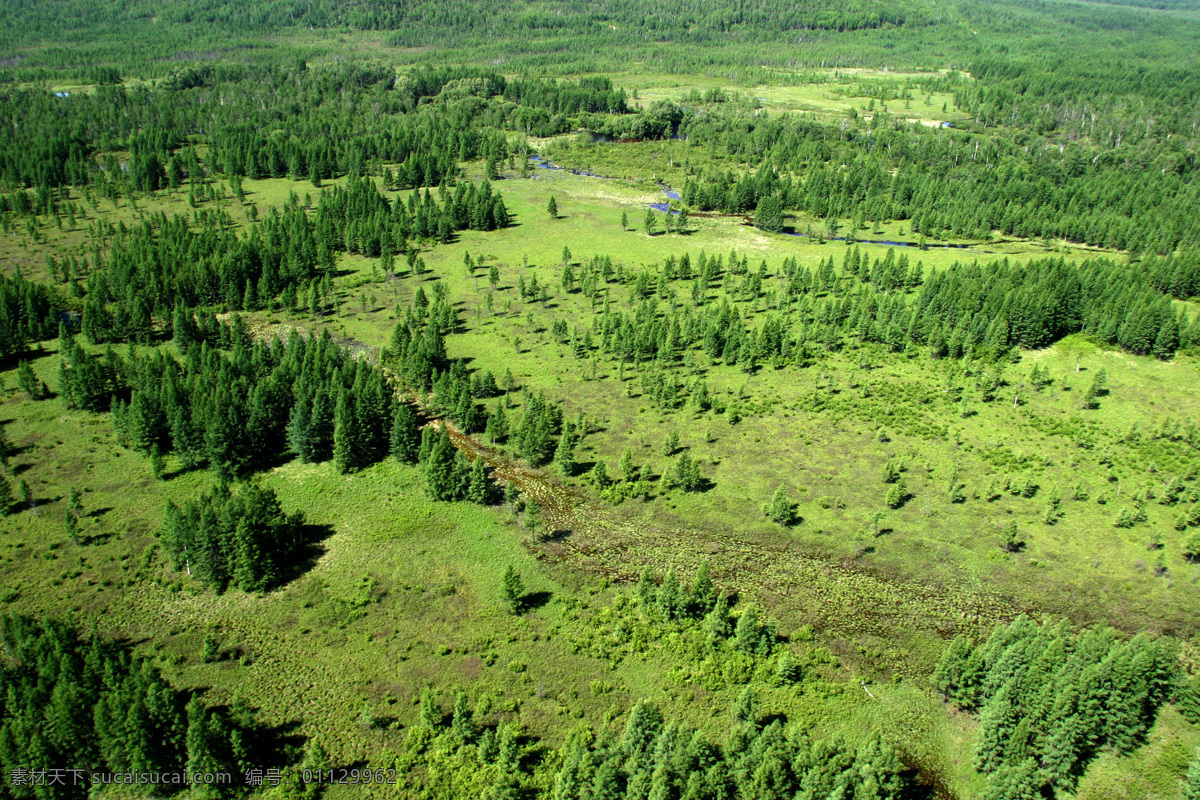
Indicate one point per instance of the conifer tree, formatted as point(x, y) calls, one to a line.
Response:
point(703, 593)
point(345, 445)
point(431, 714)
point(564, 454)
point(512, 589)
point(780, 508)
point(27, 379)
point(552, 208)
point(404, 441)
point(599, 475)
point(1191, 782)
point(462, 723)
point(716, 623)
point(629, 472)
point(6, 496)
point(440, 467)
point(746, 709)
point(479, 488)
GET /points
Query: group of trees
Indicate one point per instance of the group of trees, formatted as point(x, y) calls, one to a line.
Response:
point(659, 758)
point(966, 311)
point(83, 703)
point(238, 411)
point(241, 538)
point(1049, 699)
point(26, 314)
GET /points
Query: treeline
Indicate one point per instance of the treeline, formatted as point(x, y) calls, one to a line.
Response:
point(418, 352)
point(26, 314)
point(224, 538)
point(659, 758)
point(1050, 700)
point(966, 311)
point(948, 183)
point(240, 412)
point(763, 756)
point(83, 703)
point(284, 259)
point(426, 123)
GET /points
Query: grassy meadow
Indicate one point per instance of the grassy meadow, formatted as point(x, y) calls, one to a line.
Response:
point(403, 592)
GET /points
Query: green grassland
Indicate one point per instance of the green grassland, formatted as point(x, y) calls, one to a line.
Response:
point(824, 93)
point(403, 591)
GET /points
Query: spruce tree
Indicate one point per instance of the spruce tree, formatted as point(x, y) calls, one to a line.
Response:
point(552, 208)
point(345, 451)
point(461, 723)
point(431, 714)
point(404, 441)
point(716, 623)
point(440, 467)
point(746, 709)
point(1191, 782)
point(780, 508)
point(564, 454)
point(479, 488)
point(6, 496)
point(27, 380)
point(599, 475)
point(629, 472)
point(512, 589)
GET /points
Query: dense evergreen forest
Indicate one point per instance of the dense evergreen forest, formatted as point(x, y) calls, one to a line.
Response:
point(367, 417)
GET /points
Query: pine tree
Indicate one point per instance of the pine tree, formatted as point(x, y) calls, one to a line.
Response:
point(599, 475)
point(479, 488)
point(780, 508)
point(649, 222)
point(624, 221)
point(345, 445)
point(404, 441)
point(1191, 782)
point(671, 445)
point(513, 590)
point(897, 494)
point(629, 472)
point(552, 208)
point(431, 715)
point(564, 454)
point(716, 623)
point(746, 710)
point(6, 496)
point(462, 724)
point(27, 380)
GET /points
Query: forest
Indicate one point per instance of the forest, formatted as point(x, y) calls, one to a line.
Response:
point(583, 401)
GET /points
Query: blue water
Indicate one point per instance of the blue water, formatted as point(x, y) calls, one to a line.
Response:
point(674, 195)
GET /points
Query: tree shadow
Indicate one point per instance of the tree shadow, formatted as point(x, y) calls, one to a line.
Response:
point(531, 601)
point(306, 554)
